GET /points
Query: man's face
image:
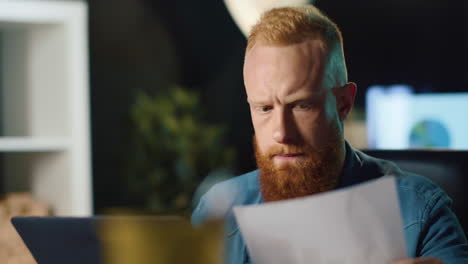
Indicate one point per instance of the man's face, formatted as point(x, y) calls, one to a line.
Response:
point(288, 105)
point(295, 118)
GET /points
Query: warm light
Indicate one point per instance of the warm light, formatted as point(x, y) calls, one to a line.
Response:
point(246, 12)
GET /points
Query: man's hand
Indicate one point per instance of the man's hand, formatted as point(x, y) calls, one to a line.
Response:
point(419, 261)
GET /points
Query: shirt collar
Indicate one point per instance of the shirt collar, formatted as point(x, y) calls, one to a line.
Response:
point(350, 166)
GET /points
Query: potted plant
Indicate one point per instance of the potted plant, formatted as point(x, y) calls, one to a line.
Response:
point(173, 149)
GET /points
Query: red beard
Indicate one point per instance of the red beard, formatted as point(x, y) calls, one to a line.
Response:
point(317, 172)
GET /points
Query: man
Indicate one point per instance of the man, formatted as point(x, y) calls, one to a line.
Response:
point(296, 82)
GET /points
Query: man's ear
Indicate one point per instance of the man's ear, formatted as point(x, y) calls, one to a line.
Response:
point(345, 99)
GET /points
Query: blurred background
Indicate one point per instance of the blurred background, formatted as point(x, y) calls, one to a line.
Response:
point(399, 49)
point(167, 106)
point(128, 106)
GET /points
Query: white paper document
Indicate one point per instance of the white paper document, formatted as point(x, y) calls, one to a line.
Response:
point(355, 225)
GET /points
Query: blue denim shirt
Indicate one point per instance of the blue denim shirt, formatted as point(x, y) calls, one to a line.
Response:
point(430, 226)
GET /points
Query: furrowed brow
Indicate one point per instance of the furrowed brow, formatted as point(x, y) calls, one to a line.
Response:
point(301, 96)
point(258, 102)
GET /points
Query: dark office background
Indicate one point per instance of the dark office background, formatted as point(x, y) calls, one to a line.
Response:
point(151, 45)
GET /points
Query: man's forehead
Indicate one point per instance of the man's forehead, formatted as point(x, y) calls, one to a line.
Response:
point(290, 59)
point(261, 48)
point(284, 69)
point(262, 98)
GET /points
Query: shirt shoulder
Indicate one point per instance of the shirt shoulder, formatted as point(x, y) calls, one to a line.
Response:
point(410, 186)
point(430, 226)
point(218, 201)
point(418, 186)
point(417, 194)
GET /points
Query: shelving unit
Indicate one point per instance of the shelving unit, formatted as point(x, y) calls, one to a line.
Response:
point(44, 103)
point(30, 144)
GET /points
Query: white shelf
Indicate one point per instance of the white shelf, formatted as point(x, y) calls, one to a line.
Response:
point(29, 144)
point(37, 12)
point(44, 103)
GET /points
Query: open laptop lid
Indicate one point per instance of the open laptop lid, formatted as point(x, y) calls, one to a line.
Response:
point(54, 240)
point(116, 240)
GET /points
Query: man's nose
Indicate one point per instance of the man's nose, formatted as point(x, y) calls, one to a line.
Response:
point(284, 130)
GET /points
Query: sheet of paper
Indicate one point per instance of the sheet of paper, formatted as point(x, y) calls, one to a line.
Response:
point(355, 225)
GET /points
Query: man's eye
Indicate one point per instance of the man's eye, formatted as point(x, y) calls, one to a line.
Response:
point(264, 108)
point(304, 106)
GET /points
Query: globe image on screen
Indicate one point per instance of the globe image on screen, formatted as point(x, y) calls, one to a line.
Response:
point(429, 134)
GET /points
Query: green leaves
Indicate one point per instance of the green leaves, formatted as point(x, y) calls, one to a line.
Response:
point(173, 149)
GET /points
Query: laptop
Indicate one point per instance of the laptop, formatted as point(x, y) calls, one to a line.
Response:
point(119, 240)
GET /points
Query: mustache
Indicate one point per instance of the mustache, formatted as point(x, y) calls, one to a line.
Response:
point(294, 150)
point(287, 150)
